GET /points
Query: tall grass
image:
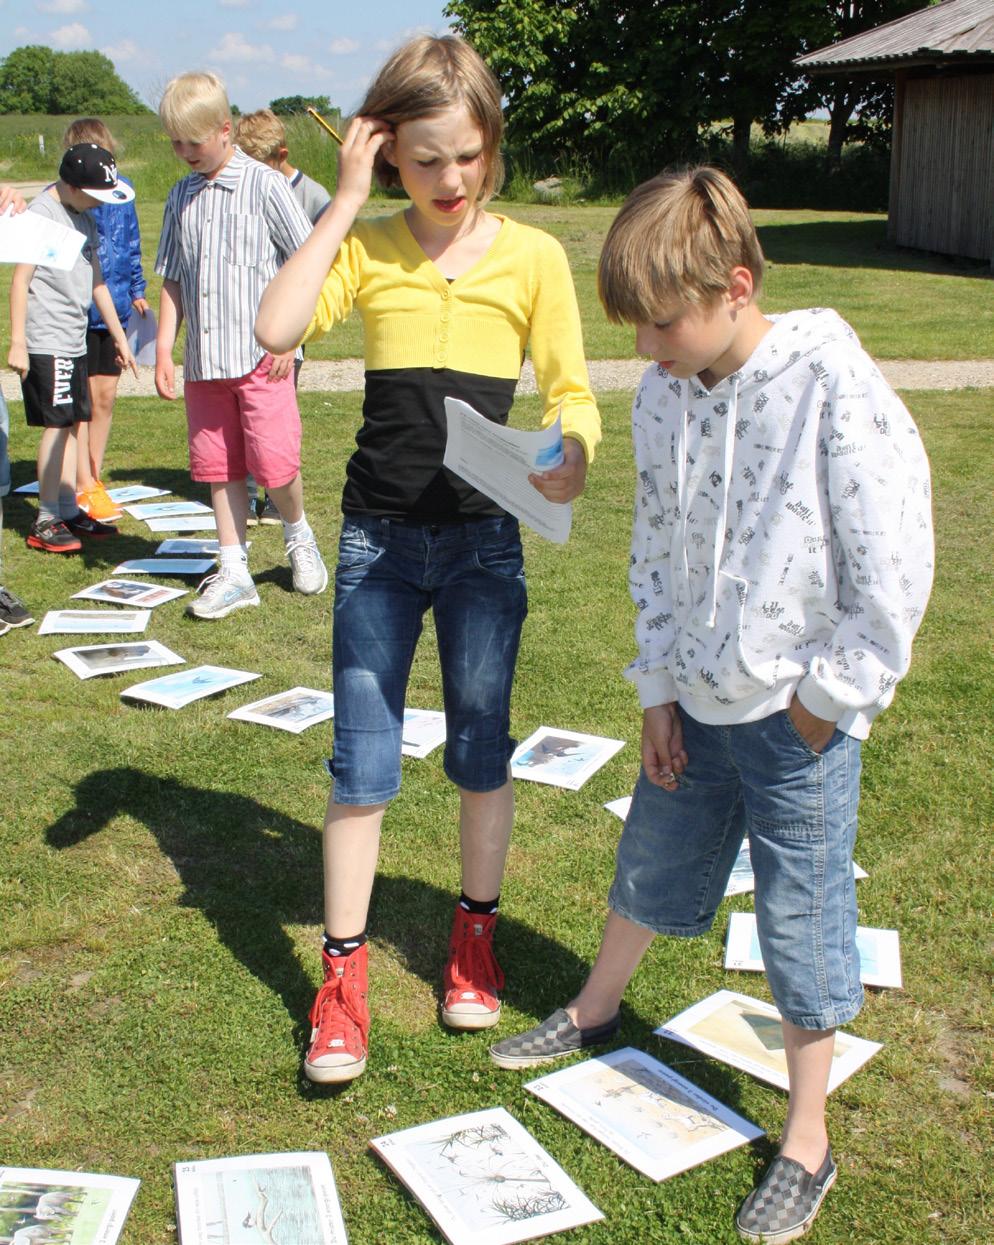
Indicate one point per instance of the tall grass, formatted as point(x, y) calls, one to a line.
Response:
point(143, 154)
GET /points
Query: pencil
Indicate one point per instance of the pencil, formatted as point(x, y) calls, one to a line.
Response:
point(313, 112)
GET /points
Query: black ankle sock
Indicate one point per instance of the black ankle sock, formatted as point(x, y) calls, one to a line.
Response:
point(486, 907)
point(342, 946)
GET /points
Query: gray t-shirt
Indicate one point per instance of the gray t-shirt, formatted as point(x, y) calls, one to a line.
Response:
point(311, 196)
point(59, 299)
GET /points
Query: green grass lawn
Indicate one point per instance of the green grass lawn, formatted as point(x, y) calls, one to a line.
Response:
point(903, 304)
point(161, 884)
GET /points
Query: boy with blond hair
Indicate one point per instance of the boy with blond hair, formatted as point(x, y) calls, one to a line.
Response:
point(781, 563)
point(227, 229)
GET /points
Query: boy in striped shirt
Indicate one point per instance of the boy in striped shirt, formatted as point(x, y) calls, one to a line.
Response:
point(226, 230)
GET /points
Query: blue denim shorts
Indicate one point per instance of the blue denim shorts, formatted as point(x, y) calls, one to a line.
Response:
point(471, 576)
point(798, 808)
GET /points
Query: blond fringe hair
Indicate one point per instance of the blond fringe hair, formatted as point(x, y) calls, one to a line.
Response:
point(675, 241)
point(89, 130)
point(261, 135)
point(194, 106)
point(427, 75)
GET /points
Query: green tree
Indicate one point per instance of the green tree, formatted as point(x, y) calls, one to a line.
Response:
point(290, 105)
point(605, 82)
point(88, 82)
point(36, 79)
point(26, 80)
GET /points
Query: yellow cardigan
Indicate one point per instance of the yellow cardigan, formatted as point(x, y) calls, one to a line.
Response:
point(520, 293)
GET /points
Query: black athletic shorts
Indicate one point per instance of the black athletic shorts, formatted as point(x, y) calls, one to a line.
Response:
point(101, 359)
point(55, 391)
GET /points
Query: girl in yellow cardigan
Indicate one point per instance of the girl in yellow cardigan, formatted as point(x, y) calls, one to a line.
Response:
point(450, 295)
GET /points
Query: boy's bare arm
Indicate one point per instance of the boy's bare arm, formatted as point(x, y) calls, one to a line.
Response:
point(170, 318)
point(663, 753)
point(105, 305)
point(17, 356)
point(290, 298)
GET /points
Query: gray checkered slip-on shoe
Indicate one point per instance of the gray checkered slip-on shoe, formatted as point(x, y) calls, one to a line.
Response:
point(552, 1039)
point(783, 1205)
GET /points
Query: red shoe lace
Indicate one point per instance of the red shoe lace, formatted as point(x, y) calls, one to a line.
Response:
point(472, 963)
point(336, 1014)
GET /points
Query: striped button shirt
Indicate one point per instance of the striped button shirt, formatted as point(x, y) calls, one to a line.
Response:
point(223, 240)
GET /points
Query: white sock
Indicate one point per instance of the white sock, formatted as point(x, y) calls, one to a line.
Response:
point(234, 562)
point(299, 530)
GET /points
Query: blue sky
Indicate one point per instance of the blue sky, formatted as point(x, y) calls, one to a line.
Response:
point(262, 50)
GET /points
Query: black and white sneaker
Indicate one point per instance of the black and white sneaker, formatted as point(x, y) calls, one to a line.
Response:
point(783, 1205)
point(13, 612)
point(554, 1038)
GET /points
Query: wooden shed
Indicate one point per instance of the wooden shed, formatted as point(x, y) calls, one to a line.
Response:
point(942, 160)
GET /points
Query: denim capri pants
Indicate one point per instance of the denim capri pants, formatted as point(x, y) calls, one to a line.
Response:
point(389, 573)
point(798, 808)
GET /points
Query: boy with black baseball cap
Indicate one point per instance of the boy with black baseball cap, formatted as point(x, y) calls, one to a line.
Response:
point(48, 318)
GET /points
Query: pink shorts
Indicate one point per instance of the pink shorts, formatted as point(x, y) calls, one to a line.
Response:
point(248, 424)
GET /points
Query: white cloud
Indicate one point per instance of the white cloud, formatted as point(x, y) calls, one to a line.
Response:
point(233, 4)
point(126, 50)
point(61, 6)
point(343, 47)
point(285, 21)
point(74, 36)
point(234, 47)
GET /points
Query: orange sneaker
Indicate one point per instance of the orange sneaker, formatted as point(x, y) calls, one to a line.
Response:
point(97, 504)
point(472, 975)
point(340, 1020)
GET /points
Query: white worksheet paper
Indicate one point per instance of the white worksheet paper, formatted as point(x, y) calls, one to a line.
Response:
point(28, 238)
point(498, 461)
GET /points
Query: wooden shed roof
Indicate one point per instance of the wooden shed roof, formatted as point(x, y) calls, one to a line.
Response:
point(955, 30)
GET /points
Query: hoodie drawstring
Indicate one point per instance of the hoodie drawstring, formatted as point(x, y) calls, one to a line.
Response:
point(731, 419)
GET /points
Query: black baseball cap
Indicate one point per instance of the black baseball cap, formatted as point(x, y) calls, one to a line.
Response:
point(92, 169)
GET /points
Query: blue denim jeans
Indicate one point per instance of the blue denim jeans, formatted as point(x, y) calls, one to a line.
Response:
point(471, 576)
point(798, 808)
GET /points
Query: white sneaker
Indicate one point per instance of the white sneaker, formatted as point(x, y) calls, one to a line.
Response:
point(221, 593)
point(310, 575)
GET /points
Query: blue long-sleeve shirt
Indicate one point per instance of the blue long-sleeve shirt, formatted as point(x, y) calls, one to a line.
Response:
point(120, 252)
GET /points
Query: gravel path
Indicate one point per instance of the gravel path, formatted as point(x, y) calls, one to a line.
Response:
point(606, 375)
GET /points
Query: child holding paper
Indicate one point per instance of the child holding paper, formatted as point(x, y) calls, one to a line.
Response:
point(781, 563)
point(120, 250)
point(450, 295)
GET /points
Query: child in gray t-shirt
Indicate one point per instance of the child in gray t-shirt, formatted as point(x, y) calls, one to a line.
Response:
point(48, 317)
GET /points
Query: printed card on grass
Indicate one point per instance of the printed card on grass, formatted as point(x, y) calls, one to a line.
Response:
point(649, 1115)
point(562, 758)
point(620, 806)
point(293, 711)
point(424, 730)
point(39, 1205)
point(485, 1180)
point(93, 622)
point(183, 523)
point(746, 1033)
point(166, 566)
point(879, 951)
point(128, 592)
point(189, 547)
point(174, 691)
point(135, 492)
point(258, 1199)
point(167, 509)
point(91, 659)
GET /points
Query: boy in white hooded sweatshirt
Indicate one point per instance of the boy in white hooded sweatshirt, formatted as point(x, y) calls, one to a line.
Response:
point(781, 563)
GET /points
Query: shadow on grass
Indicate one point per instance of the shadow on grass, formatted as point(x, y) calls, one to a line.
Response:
point(858, 244)
point(252, 871)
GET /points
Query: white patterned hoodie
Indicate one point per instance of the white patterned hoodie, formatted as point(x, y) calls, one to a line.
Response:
point(783, 534)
